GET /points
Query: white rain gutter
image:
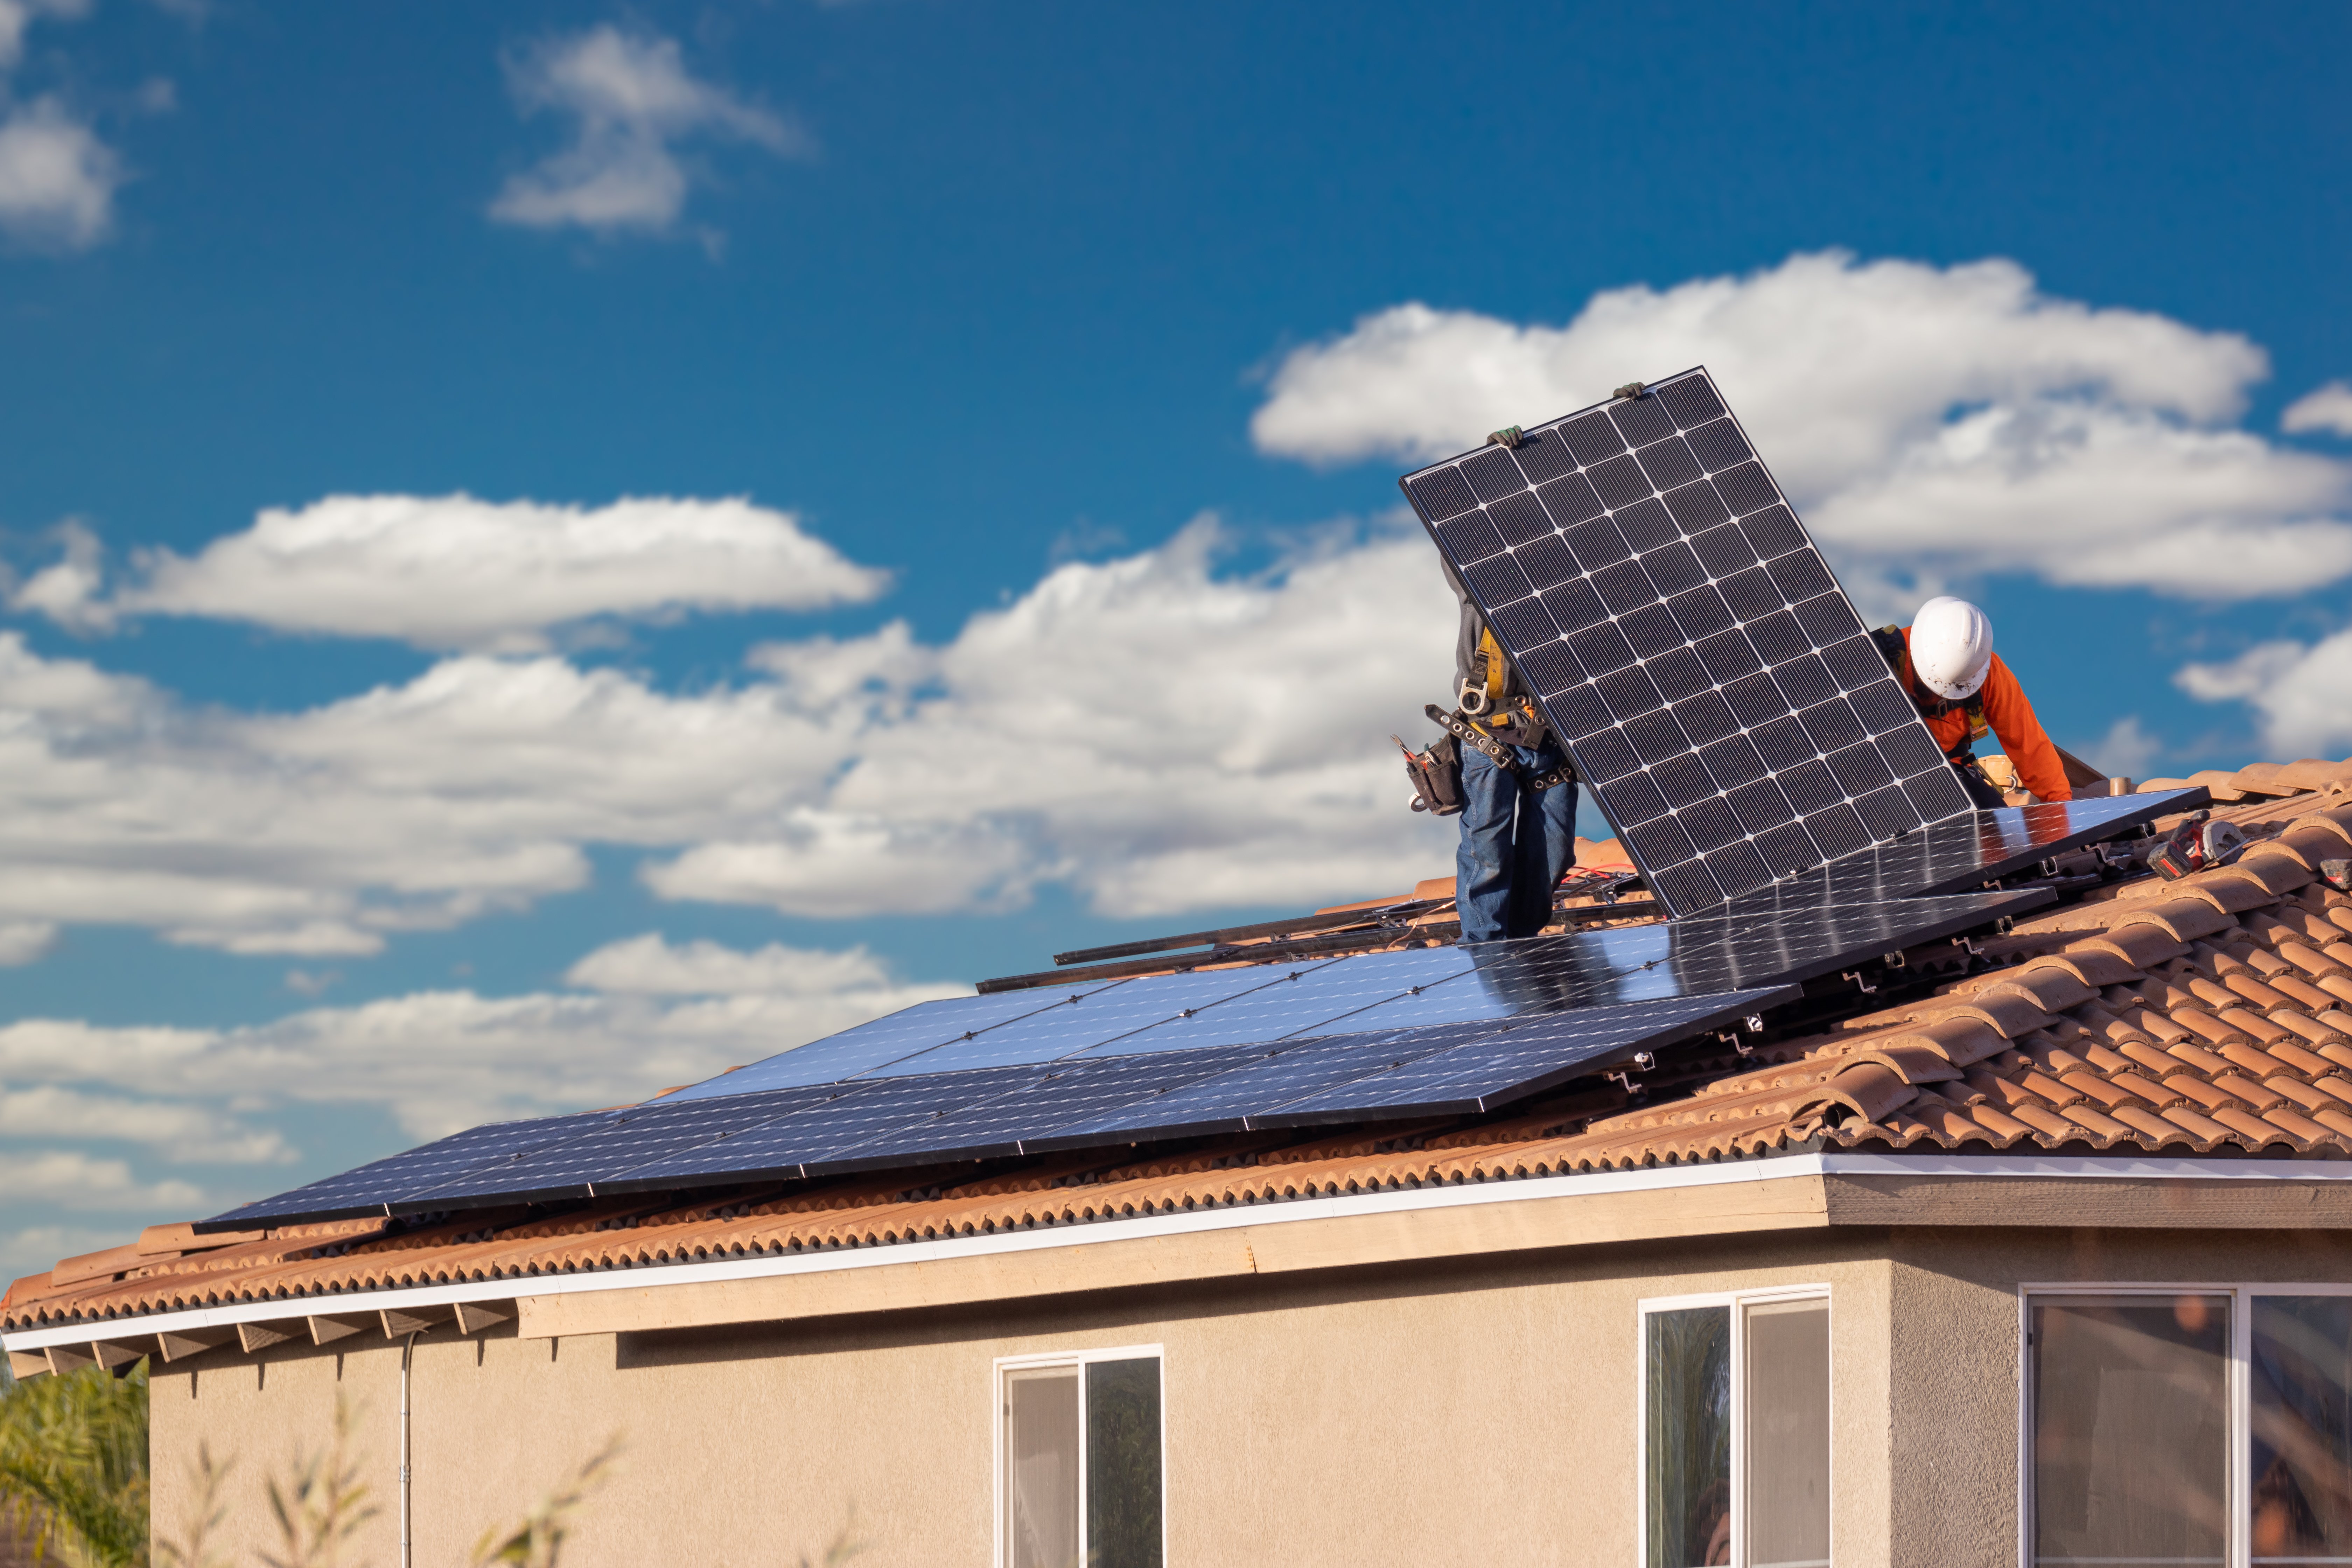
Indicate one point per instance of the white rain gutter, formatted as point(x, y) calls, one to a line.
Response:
point(2071, 1167)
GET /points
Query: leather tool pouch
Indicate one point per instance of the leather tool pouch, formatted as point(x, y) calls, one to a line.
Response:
point(1436, 775)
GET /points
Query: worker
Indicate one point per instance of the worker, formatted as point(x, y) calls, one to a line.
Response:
point(1945, 660)
point(1518, 823)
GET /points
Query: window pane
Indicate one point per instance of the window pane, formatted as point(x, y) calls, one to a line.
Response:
point(2301, 1377)
point(1123, 1463)
point(1040, 1468)
point(1787, 1501)
point(2130, 1429)
point(1687, 1447)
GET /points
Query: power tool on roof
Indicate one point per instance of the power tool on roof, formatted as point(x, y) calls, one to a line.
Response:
point(2200, 843)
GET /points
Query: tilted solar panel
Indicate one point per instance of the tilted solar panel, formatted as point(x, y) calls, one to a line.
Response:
point(1712, 682)
point(1512, 1064)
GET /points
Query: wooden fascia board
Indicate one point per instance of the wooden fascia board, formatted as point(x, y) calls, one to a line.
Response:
point(1355, 1240)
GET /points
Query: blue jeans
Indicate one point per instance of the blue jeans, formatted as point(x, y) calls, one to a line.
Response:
point(1516, 846)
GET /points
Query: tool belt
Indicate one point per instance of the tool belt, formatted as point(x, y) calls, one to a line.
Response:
point(1495, 751)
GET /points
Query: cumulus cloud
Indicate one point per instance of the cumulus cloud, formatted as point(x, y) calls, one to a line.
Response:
point(2127, 750)
point(444, 571)
point(1147, 730)
point(2301, 693)
point(2330, 408)
point(1930, 423)
point(56, 178)
point(649, 965)
point(1150, 731)
point(632, 104)
point(75, 1181)
point(433, 1061)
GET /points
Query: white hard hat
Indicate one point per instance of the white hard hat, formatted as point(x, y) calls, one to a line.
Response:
point(1951, 646)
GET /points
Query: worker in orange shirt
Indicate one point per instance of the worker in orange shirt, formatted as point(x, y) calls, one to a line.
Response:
point(1945, 660)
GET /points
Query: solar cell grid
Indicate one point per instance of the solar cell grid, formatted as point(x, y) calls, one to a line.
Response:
point(890, 1038)
point(1262, 1081)
point(619, 1140)
point(1669, 587)
point(1074, 1092)
point(1318, 1000)
point(1500, 1066)
point(374, 1187)
point(1093, 1021)
point(781, 1147)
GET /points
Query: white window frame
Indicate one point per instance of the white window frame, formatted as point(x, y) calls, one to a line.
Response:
point(1079, 1359)
point(1735, 1300)
point(2240, 1547)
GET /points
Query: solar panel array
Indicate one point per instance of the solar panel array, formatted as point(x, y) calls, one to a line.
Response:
point(1504, 1044)
point(1414, 1032)
point(1713, 684)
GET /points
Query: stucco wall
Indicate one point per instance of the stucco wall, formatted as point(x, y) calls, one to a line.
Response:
point(1422, 1415)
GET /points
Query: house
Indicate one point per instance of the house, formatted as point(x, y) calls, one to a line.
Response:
point(2018, 1249)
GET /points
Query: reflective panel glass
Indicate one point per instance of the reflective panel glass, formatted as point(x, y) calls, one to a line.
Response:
point(1687, 1437)
point(1123, 1469)
point(2302, 1430)
point(2130, 1429)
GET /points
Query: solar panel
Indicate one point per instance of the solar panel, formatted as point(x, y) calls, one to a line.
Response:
point(1687, 642)
point(622, 1141)
point(1075, 1091)
point(907, 1032)
point(861, 1114)
point(1503, 1067)
point(1969, 851)
point(1107, 1016)
point(374, 1187)
point(1320, 1000)
point(1268, 1078)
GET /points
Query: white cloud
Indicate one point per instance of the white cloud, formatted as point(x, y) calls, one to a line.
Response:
point(437, 1061)
point(2127, 750)
point(452, 571)
point(71, 1180)
point(36, 1249)
point(191, 1134)
point(2329, 408)
point(56, 178)
point(1930, 423)
point(2302, 693)
point(632, 101)
point(1144, 730)
point(648, 966)
point(26, 942)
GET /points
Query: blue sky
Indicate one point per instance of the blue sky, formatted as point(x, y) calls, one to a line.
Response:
point(1014, 397)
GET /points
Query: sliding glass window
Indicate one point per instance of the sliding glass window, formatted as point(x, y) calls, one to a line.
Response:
point(2192, 1424)
point(1736, 1431)
point(1078, 1461)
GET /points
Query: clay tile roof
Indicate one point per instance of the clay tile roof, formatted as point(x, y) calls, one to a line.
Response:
point(2213, 1013)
